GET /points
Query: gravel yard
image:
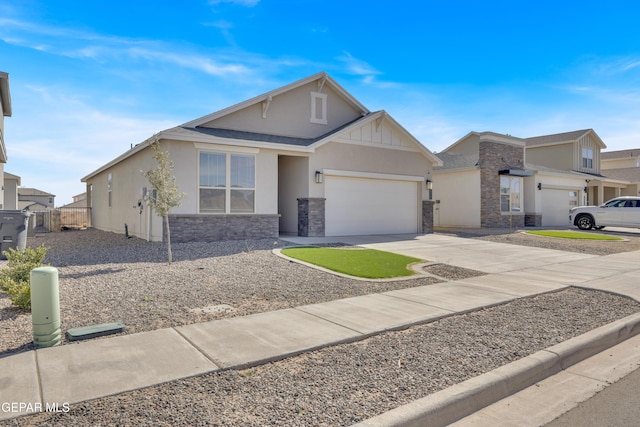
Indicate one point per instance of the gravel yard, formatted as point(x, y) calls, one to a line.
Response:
point(105, 277)
point(344, 384)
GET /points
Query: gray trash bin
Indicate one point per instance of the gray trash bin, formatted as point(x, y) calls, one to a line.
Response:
point(13, 230)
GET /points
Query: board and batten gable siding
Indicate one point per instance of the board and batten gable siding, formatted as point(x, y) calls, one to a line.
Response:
point(587, 141)
point(289, 114)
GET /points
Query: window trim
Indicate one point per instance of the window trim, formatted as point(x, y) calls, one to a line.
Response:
point(228, 188)
point(520, 206)
point(322, 120)
point(587, 157)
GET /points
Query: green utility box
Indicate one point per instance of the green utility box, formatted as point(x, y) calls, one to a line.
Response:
point(45, 307)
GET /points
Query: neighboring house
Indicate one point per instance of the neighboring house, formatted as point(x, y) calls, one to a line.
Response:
point(5, 111)
point(307, 159)
point(480, 183)
point(34, 198)
point(11, 184)
point(623, 165)
point(79, 201)
point(576, 153)
point(493, 180)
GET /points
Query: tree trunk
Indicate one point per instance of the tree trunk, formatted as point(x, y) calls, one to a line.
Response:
point(166, 222)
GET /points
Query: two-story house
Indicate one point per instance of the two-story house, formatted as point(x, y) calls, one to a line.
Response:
point(34, 199)
point(623, 165)
point(493, 180)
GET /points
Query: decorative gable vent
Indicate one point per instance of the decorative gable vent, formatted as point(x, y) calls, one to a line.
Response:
point(318, 108)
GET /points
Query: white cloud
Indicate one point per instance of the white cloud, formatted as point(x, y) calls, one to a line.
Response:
point(247, 3)
point(69, 140)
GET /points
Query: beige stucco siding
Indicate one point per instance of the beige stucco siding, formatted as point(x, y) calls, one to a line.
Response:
point(289, 114)
point(457, 196)
point(629, 162)
point(126, 190)
point(554, 156)
point(361, 158)
point(467, 146)
point(293, 184)
point(533, 196)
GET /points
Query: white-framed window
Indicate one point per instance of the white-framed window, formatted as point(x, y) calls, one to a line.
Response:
point(319, 108)
point(109, 187)
point(510, 194)
point(227, 182)
point(587, 158)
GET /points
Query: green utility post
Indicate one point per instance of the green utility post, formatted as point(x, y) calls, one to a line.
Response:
point(45, 307)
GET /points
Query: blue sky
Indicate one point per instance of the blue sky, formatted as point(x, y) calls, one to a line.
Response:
point(88, 79)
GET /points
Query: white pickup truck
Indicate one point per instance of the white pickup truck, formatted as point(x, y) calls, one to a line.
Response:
point(618, 212)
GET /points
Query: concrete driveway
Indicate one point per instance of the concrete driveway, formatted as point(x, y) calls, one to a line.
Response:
point(488, 257)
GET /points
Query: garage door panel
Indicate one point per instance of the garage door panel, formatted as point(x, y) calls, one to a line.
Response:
point(556, 204)
point(370, 206)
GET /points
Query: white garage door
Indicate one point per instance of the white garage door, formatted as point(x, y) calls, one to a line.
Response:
point(356, 206)
point(555, 206)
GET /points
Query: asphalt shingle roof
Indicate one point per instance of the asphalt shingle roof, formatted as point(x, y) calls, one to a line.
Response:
point(556, 137)
point(265, 137)
point(620, 154)
point(457, 161)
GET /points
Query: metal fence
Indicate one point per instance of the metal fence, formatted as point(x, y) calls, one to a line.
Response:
point(59, 219)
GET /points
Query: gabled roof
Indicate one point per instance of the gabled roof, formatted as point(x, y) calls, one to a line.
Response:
point(11, 176)
point(25, 191)
point(620, 154)
point(5, 95)
point(563, 138)
point(264, 137)
point(458, 161)
point(493, 136)
point(322, 77)
point(232, 137)
point(195, 131)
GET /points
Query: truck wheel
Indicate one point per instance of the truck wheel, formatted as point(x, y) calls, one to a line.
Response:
point(585, 222)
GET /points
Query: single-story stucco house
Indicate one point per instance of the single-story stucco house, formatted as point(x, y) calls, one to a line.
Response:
point(493, 180)
point(307, 159)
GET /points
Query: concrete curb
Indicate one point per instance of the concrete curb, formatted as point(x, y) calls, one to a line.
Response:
point(463, 399)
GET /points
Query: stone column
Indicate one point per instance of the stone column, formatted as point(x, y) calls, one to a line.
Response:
point(427, 216)
point(311, 217)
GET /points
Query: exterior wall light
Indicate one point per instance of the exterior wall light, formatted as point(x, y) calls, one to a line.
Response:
point(319, 177)
point(429, 184)
point(539, 186)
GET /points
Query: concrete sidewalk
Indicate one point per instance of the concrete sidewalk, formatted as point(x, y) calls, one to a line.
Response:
point(93, 369)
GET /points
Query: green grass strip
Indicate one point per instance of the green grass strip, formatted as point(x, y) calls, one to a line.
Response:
point(572, 235)
point(366, 263)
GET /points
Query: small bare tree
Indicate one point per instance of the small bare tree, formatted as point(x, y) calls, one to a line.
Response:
point(163, 182)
